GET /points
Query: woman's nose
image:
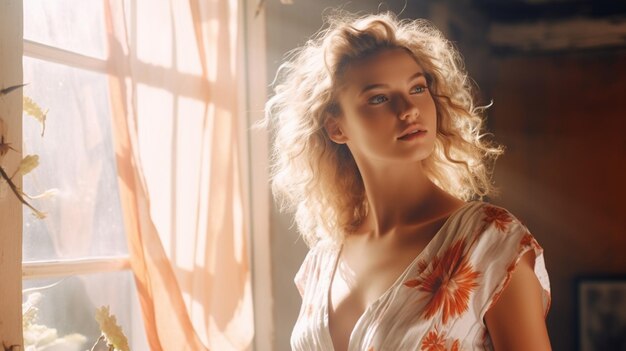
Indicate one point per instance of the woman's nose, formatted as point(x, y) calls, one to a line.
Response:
point(408, 109)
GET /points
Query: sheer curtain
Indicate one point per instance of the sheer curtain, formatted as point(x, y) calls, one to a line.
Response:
point(175, 104)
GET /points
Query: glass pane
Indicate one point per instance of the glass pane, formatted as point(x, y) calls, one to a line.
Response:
point(67, 306)
point(77, 160)
point(74, 25)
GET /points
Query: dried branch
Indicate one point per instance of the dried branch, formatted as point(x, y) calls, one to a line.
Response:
point(18, 193)
point(11, 88)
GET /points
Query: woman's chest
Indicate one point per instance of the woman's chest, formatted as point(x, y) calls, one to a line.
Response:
point(365, 270)
point(359, 283)
point(360, 280)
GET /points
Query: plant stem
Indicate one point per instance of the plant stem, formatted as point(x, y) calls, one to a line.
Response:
point(97, 341)
point(15, 190)
point(11, 88)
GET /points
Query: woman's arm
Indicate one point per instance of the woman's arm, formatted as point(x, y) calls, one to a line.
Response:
point(516, 322)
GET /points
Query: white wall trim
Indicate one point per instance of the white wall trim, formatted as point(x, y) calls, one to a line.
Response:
point(258, 175)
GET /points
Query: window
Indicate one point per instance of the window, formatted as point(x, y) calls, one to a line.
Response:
point(75, 259)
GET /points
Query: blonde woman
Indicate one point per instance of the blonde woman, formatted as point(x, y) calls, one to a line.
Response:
point(379, 150)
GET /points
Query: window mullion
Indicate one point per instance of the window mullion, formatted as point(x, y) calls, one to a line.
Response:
point(56, 268)
point(53, 54)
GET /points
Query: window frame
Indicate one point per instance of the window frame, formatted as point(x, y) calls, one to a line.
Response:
point(41, 269)
point(255, 150)
point(11, 33)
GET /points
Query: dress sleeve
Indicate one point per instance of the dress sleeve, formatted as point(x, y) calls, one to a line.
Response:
point(503, 243)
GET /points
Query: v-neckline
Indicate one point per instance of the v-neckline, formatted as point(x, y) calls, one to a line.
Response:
point(326, 304)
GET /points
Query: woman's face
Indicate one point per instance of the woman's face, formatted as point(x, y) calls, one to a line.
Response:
point(387, 112)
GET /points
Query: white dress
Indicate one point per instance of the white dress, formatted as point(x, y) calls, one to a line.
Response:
point(440, 300)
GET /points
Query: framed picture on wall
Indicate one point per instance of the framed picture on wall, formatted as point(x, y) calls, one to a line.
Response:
point(602, 314)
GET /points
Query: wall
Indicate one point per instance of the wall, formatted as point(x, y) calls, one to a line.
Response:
point(563, 118)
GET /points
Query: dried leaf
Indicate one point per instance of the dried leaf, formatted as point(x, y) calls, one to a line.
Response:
point(47, 194)
point(39, 337)
point(31, 108)
point(38, 214)
point(11, 88)
point(4, 147)
point(28, 163)
point(18, 193)
point(111, 331)
point(3, 128)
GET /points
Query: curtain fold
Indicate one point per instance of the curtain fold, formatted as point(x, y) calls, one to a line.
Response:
point(174, 100)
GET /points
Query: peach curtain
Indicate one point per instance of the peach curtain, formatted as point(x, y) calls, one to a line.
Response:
point(175, 101)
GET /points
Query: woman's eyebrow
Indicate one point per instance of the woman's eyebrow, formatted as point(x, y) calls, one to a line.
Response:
point(380, 85)
point(415, 76)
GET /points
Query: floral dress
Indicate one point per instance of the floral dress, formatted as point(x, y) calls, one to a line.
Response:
point(440, 300)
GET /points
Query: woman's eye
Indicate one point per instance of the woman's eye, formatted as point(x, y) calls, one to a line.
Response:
point(378, 99)
point(418, 89)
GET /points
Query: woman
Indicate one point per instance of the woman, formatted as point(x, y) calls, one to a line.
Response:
point(379, 150)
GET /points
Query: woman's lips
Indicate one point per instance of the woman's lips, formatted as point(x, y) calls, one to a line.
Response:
point(411, 136)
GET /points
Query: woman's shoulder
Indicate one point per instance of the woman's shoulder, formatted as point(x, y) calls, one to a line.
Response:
point(485, 215)
point(486, 227)
point(497, 247)
point(492, 232)
point(499, 220)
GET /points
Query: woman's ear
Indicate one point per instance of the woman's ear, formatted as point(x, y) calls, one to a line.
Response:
point(334, 130)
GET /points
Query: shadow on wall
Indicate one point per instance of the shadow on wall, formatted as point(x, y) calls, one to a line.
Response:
point(561, 117)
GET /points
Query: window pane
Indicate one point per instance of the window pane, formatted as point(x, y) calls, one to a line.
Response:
point(69, 305)
point(74, 25)
point(76, 158)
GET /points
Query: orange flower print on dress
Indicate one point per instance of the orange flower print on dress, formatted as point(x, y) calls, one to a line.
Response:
point(529, 240)
point(434, 341)
point(456, 346)
point(498, 216)
point(449, 280)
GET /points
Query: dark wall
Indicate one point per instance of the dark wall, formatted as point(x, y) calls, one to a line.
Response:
point(562, 118)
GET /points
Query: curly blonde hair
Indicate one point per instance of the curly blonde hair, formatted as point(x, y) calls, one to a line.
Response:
point(318, 178)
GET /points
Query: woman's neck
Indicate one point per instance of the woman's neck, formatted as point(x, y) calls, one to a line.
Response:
point(398, 194)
